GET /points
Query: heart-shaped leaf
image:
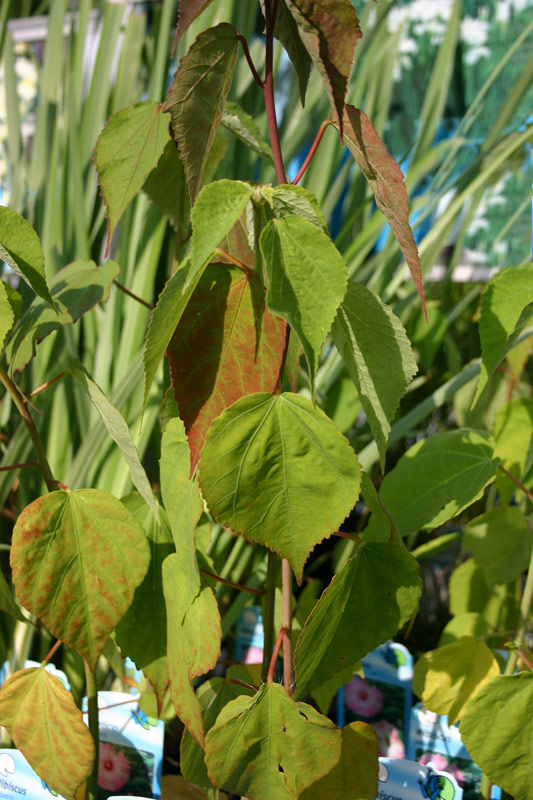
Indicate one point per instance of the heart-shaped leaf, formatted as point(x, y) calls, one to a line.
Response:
point(20, 247)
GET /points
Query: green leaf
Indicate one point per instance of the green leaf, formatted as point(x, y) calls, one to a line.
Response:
point(127, 150)
point(323, 695)
point(500, 542)
point(244, 127)
point(470, 623)
point(193, 632)
point(437, 478)
point(20, 247)
point(286, 31)
point(141, 634)
point(329, 31)
point(513, 433)
point(41, 717)
point(385, 178)
point(227, 345)
point(8, 602)
point(366, 603)
point(506, 308)
point(187, 12)
point(288, 199)
point(197, 97)
point(355, 775)
point(469, 593)
point(75, 290)
point(497, 729)
point(448, 678)
point(306, 281)
point(212, 695)
point(77, 558)
point(217, 209)
point(434, 546)
point(118, 429)
point(166, 187)
point(281, 451)
point(384, 528)
point(7, 316)
point(268, 746)
point(374, 346)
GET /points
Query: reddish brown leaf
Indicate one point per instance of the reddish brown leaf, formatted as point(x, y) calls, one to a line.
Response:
point(386, 181)
point(237, 246)
point(329, 30)
point(187, 13)
point(227, 345)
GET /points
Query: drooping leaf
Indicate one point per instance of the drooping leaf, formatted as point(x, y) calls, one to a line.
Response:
point(506, 308)
point(437, 478)
point(385, 178)
point(355, 775)
point(212, 695)
point(446, 679)
point(197, 97)
point(141, 634)
point(497, 729)
point(329, 30)
point(193, 631)
point(77, 558)
point(286, 31)
point(500, 541)
point(268, 746)
point(75, 290)
point(118, 429)
point(226, 345)
point(8, 602)
point(283, 452)
point(166, 187)
point(244, 127)
point(7, 316)
point(45, 724)
point(187, 12)
point(306, 281)
point(20, 247)
point(374, 346)
point(366, 603)
point(513, 433)
point(127, 150)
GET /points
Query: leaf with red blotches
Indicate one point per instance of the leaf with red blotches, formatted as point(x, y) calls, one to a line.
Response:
point(227, 345)
point(329, 30)
point(187, 13)
point(385, 178)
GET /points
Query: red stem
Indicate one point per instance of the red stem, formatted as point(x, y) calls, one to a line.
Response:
point(353, 536)
point(234, 260)
point(46, 385)
point(253, 70)
point(268, 89)
point(270, 676)
point(230, 583)
point(286, 588)
point(19, 466)
point(242, 683)
point(135, 297)
point(516, 481)
point(47, 658)
point(312, 151)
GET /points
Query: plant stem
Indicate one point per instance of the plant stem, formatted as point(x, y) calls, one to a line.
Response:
point(92, 706)
point(268, 619)
point(286, 619)
point(253, 70)
point(49, 655)
point(525, 611)
point(485, 787)
point(312, 151)
point(24, 412)
point(231, 583)
point(268, 89)
point(219, 251)
point(516, 481)
point(277, 646)
point(46, 385)
point(134, 296)
point(20, 466)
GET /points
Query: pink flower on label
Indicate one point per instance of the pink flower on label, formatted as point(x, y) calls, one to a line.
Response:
point(363, 699)
point(441, 764)
point(389, 742)
point(253, 655)
point(113, 768)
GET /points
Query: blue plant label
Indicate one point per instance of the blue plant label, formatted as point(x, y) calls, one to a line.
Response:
point(17, 779)
point(250, 636)
point(399, 779)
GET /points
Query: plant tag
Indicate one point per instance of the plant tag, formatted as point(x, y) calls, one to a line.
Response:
point(382, 698)
point(17, 779)
point(250, 636)
point(406, 780)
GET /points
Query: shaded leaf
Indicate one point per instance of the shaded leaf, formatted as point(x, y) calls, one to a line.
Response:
point(286, 31)
point(141, 634)
point(20, 247)
point(127, 150)
point(384, 528)
point(324, 694)
point(366, 603)
point(187, 12)
point(448, 678)
point(497, 729)
point(329, 30)
point(500, 541)
point(374, 346)
point(513, 433)
point(8, 602)
point(506, 308)
point(77, 558)
point(7, 316)
point(244, 127)
point(281, 451)
point(45, 724)
point(385, 178)
point(226, 345)
point(355, 775)
point(75, 290)
point(268, 746)
point(193, 632)
point(197, 97)
point(306, 281)
point(437, 478)
point(166, 187)
point(118, 429)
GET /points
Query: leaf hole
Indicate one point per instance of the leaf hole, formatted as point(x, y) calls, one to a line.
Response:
point(280, 768)
point(303, 715)
point(284, 729)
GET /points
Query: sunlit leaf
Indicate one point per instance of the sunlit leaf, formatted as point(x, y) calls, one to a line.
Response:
point(226, 345)
point(42, 718)
point(268, 746)
point(500, 541)
point(469, 593)
point(374, 346)
point(77, 558)
point(385, 178)
point(20, 247)
point(448, 678)
point(282, 451)
point(75, 290)
point(127, 150)
point(366, 603)
point(7, 316)
point(513, 434)
point(469, 623)
point(197, 97)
